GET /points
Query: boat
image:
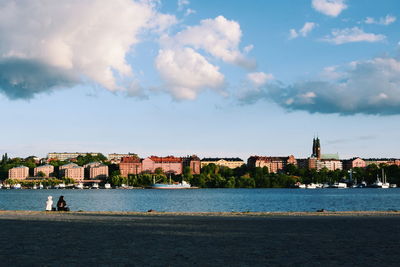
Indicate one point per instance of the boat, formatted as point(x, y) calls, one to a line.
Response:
point(311, 186)
point(339, 185)
point(385, 184)
point(16, 186)
point(319, 185)
point(41, 186)
point(95, 186)
point(79, 186)
point(107, 186)
point(326, 185)
point(393, 185)
point(300, 185)
point(34, 187)
point(183, 185)
point(6, 186)
point(61, 186)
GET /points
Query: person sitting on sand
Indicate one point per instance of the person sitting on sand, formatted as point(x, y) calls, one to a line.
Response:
point(62, 205)
point(49, 203)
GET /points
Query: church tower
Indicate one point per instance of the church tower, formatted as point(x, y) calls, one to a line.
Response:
point(316, 150)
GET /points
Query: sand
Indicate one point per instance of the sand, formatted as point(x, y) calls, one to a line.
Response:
point(199, 239)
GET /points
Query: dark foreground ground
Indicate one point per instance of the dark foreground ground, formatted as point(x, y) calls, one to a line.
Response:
point(53, 239)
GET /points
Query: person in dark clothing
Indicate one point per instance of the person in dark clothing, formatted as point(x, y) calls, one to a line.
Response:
point(62, 205)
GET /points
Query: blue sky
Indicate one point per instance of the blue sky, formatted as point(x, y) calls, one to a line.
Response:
point(213, 78)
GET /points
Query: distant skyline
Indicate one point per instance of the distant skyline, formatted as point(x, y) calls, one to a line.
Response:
point(213, 78)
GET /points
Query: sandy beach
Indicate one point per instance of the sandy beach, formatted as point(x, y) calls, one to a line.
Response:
point(202, 239)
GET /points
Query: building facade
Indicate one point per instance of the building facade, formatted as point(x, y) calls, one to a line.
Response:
point(19, 173)
point(72, 170)
point(130, 165)
point(354, 163)
point(274, 164)
point(169, 164)
point(330, 164)
point(96, 171)
point(66, 155)
point(231, 163)
point(47, 169)
point(193, 162)
point(116, 158)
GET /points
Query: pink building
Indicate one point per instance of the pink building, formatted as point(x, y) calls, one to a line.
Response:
point(20, 173)
point(274, 164)
point(72, 170)
point(354, 163)
point(169, 164)
point(130, 165)
point(47, 169)
point(193, 162)
point(97, 170)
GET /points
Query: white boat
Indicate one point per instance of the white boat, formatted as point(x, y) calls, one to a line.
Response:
point(6, 186)
point(16, 186)
point(107, 186)
point(34, 187)
point(1, 186)
point(41, 186)
point(326, 185)
point(311, 186)
point(95, 186)
point(319, 185)
point(393, 185)
point(339, 185)
point(61, 186)
point(79, 186)
point(183, 185)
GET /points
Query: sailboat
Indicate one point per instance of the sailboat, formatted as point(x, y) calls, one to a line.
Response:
point(385, 184)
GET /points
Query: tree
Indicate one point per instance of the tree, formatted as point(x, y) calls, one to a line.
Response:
point(41, 174)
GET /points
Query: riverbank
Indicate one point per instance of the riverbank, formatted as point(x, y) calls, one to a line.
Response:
point(186, 239)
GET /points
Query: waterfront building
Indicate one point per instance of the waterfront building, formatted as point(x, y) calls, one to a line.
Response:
point(47, 169)
point(385, 161)
point(72, 170)
point(274, 164)
point(354, 163)
point(193, 162)
point(330, 164)
point(116, 158)
point(130, 165)
point(231, 163)
point(96, 170)
point(169, 164)
point(67, 155)
point(20, 173)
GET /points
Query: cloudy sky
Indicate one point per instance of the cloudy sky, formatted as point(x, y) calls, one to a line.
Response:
point(213, 78)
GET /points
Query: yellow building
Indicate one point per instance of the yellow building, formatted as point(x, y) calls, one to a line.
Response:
point(231, 163)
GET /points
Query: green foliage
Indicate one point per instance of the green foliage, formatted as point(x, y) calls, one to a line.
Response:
point(82, 160)
point(41, 174)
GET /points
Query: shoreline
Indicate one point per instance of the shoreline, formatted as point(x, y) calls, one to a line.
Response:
point(208, 214)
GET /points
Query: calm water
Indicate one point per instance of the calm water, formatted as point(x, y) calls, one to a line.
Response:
point(203, 200)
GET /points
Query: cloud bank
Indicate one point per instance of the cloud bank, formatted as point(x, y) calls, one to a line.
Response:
point(389, 19)
point(70, 41)
point(362, 87)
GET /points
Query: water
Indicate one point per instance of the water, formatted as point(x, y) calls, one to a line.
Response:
point(207, 200)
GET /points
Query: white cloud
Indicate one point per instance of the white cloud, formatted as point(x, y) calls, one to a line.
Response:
point(190, 11)
point(367, 87)
point(329, 7)
point(88, 39)
point(389, 19)
point(304, 31)
point(187, 73)
point(293, 34)
point(307, 28)
point(350, 35)
point(182, 4)
point(259, 78)
point(183, 68)
point(220, 37)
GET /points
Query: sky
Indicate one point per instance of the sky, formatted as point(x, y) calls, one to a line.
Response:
point(213, 78)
